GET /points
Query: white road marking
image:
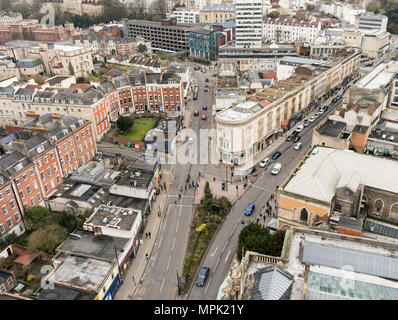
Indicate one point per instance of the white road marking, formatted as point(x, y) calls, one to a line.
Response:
point(227, 255)
point(218, 260)
point(178, 223)
point(174, 242)
point(226, 243)
point(168, 264)
point(214, 252)
point(234, 229)
point(253, 185)
point(162, 286)
point(208, 285)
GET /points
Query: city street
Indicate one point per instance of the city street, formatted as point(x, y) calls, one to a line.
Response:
point(223, 248)
point(160, 279)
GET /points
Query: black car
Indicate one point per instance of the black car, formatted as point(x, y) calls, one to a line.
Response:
point(295, 133)
point(334, 100)
point(196, 113)
point(202, 276)
point(289, 138)
point(276, 155)
point(325, 108)
point(296, 138)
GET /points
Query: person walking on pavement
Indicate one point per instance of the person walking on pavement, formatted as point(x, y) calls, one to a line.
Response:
point(134, 280)
point(149, 234)
point(179, 196)
point(146, 234)
point(146, 256)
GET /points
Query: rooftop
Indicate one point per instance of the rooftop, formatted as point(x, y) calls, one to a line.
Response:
point(381, 76)
point(94, 246)
point(240, 111)
point(114, 217)
point(219, 7)
point(63, 293)
point(81, 272)
point(271, 284)
point(318, 176)
point(331, 128)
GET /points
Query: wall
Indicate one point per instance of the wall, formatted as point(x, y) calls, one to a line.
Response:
point(388, 199)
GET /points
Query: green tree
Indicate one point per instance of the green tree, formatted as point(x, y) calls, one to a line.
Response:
point(67, 220)
point(392, 14)
point(124, 123)
point(142, 48)
point(47, 238)
point(37, 214)
point(207, 192)
point(255, 237)
point(158, 8)
point(82, 80)
point(71, 70)
point(274, 14)
point(5, 4)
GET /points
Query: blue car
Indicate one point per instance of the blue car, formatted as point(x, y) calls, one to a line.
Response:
point(276, 155)
point(250, 209)
point(207, 79)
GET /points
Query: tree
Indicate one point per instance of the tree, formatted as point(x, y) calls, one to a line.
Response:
point(301, 14)
point(47, 238)
point(392, 14)
point(71, 70)
point(39, 79)
point(82, 80)
point(373, 6)
point(67, 220)
point(5, 4)
point(207, 192)
point(124, 123)
point(274, 14)
point(142, 48)
point(158, 8)
point(310, 7)
point(37, 214)
point(255, 237)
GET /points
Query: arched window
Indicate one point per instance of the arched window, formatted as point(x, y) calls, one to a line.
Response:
point(379, 206)
point(304, 215)
point(394, 211)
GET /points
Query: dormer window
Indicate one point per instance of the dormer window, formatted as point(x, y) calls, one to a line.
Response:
point(18, 166)
point(40, 149)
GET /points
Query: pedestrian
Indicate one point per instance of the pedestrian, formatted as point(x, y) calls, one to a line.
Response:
point(146, 256)
point(261, 215)
point(149, 234)
point(146, 234)
point(185, 187)
point(133, 280)
point(264, 218)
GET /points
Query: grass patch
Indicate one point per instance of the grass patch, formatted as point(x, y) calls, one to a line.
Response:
point(125, 67)
point(138, 131)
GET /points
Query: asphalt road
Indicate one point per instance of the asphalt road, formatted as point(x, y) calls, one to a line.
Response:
point(223, 248)
point(160, 279)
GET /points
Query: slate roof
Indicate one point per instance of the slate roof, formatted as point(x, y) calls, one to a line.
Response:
point(271, 284)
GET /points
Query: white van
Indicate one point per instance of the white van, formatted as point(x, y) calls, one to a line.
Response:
point(277, 167)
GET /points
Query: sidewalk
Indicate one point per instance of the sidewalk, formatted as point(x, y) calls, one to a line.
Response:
point(139, 264)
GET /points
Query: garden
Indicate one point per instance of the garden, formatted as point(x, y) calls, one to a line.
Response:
point(208, 216)
point(135, 130)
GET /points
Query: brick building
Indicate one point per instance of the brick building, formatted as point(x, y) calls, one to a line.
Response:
point(38, 155)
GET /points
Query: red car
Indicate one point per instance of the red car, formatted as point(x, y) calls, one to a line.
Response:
point(203, 117)
point(206, 85)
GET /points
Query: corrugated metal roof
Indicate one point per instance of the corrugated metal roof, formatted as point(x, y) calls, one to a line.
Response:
point(357, 261)
point(381, 228)
point(271, 284)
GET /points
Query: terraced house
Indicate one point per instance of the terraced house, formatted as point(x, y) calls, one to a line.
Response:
point(37, 156)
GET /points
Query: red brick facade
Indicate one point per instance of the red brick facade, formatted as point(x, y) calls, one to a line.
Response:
point(10, 214)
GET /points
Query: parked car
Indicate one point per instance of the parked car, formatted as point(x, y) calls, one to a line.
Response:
point(296, 138)
point(214, 75)
point(276, 155)
point(315, 115)
point(207, 80)
point(202, 276)
point(300, 128)
point(196, 67)
point(320, 111)
point(289, 138)
point(298, 146)
point(305, 122)
point(196, 113)
point(204, 107)
point(334, 100)
point(203, 117)
point(325, 108)
point(250, 171)
point(250, 209)
point(276, 169)
point(206, 89)
point(206, 85)
point(312, 119)
point(264, 162)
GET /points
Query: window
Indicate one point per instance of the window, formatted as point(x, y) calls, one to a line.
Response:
point(32, 172)
point(32, 201)
point(43, 176)
point(12, 203)
point(55, 168)
point(17, 181)
point(1, 197)
point(25, 176)
point(304, 215)
point(52, 155)
point(29, 189)
point(21, 194)
point(39, 196)
point(8, 192)
point(2, 230)
point(9, 222)
point(394, 211)
point(379, 205)
point(46, 188)
point(45, 160)
point(5, 210)
point(16, 217)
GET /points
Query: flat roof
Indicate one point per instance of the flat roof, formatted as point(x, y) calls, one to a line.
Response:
point(240, 112)
point(113, 217)
point(299, 60)
point(81, 272)
point(64, 293)
point(332, 128)
point(94, 246)
point(318, 176)
point(378, 77)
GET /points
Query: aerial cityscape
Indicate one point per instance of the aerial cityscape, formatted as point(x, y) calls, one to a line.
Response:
point(198, 151)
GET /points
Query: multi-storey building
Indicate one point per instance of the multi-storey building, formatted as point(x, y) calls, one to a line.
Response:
point(38, 155)
point(371, 21)
point(288, 31)
point(56, 58)
point(10, 18)
point(165, 35)
point(204, 42)
point(246, 129)
point(249, 23)
point(394, 92)
point(183, 15)
point(79, 7)
point(133, 92)
point(214, 13)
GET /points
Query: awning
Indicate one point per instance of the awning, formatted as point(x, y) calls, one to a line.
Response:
point(285, 124)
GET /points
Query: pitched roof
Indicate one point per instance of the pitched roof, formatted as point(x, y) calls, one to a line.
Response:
point(271, 284)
